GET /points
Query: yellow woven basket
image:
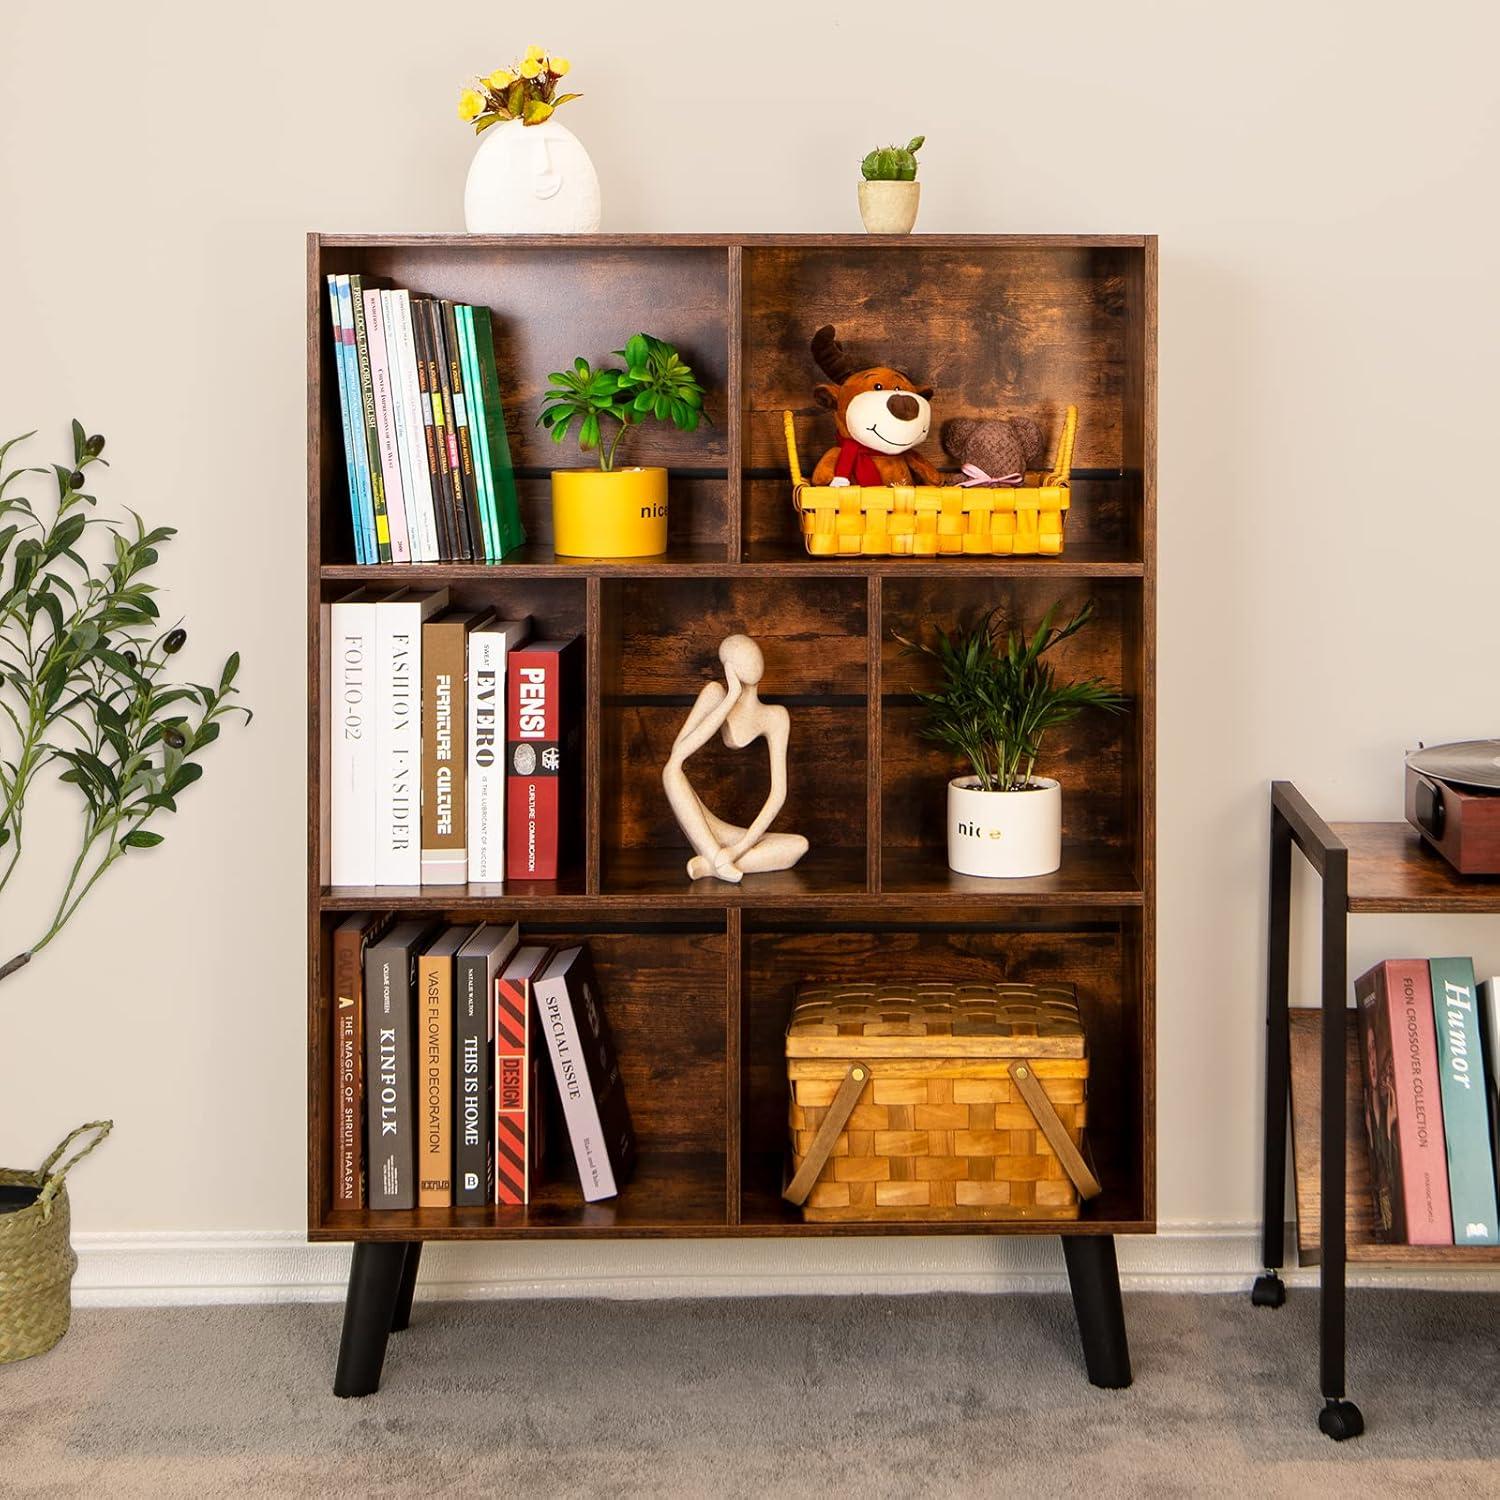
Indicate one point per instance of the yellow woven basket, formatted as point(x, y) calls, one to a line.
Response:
point(925, 520)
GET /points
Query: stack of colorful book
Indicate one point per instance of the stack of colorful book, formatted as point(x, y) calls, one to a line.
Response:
point(1430, 1055)
point(426, 455)
point(441, 1039)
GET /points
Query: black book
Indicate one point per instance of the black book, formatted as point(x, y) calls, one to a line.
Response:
point(461, 400)
point(587, 1071)
point(390, 1065)
point(479, 963)
point(459, 515)
point(433, 434)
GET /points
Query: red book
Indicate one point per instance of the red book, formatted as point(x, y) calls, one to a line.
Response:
point(544, 757)
point(1403, 1103)
point(518, 1120)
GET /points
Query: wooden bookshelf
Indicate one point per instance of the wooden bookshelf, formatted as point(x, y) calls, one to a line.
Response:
point(699, 977)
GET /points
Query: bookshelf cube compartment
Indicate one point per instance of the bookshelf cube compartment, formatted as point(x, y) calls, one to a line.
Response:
point(1020, 330)
point(659, 647)
point(1095, 952)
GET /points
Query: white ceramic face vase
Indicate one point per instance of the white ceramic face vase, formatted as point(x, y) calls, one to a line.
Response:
point(531, 179)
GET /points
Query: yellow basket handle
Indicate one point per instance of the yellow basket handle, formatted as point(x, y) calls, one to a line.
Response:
point(54, 1175)
point(791, 450)
point(1062, 465)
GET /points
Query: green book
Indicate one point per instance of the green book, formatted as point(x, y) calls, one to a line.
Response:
point(463, 316)
point(1466, 1117)
point(510, 532)
point(372, 434)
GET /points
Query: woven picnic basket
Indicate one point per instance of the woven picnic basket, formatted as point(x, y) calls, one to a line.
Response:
point(925, 520)
point(36, 1253)
point(937, 1101)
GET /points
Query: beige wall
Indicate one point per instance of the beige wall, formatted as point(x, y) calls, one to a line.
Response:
point(1320, 176)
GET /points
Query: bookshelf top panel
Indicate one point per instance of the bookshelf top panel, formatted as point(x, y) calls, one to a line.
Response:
point(725, 241)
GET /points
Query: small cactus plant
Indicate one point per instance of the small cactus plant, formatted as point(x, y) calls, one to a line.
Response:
point(893, 163)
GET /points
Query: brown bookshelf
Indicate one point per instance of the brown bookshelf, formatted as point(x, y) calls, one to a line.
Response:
point(700, 977)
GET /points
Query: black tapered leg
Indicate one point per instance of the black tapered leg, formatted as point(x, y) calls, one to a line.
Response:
point(1095, 1278)
point(369, 1312)
point(1268, 1288)
point(401, 1317)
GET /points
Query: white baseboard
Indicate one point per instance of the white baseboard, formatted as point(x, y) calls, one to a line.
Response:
point(172, 1269)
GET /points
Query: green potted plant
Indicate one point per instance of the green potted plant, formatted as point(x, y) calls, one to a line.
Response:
point(612, 511)
point(87, 699)
point(997, 701)
point(889, 192)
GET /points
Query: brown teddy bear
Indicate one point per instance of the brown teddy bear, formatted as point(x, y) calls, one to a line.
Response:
point(998, 448)
point(881, 414)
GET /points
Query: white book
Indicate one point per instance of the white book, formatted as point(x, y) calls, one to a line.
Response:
point(390, 315)
point(351, 735)
point(385, 426)
point(398, 733)
point(488, 649)
point(419, 488)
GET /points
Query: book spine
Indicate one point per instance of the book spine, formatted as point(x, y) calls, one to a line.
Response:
point(1378, 1065)
point(350, 356)
point(337, 344)
point(385, 426)
point(390, 316)
point(382, 537)
point(531, 757)
point(509, 531)
point(418, 434)
point(348, 1069)
point(444, 767)
point(388, 1077)
point(512, 1092)
point(473, 405)
point(352, 733)
point(435, 1081)
point(1419, 1111)
point(564, 1044)
point(432, 428)
point(458, 514)
point(398, 743)
point(1466, 1122)
point(473, 1169)
point(469, 490)
point(486, 783)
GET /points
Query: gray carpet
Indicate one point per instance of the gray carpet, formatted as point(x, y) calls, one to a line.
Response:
point(801, 1396)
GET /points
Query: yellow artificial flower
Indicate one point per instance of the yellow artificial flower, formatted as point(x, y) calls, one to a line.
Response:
point(530, 68)
point(500, 79)
point(535, 54)
point(470, 105)
point(559, 66)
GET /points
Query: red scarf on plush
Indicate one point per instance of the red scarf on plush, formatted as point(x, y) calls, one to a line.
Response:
point(856, 463)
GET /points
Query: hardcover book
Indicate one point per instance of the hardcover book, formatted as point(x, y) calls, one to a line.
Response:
point(372, 431)
point(520, 1140)
point(385, 426)
point(415, 435)
point(444, 757)
point(474, 411)
point(476, 971)
point(488, 652)
point(406, 540)
point(366, 549)
point(435, 1067)
point(1404, 1115)
point(1466, 1115)
point(398, 733)
point(1489, 1036)
point(350, 939)
point(587, 1073)
point(351, 734)
point(544, 760)
point(346, 411)
point(510, 532)
point(432, 429)
point(459, 389)
point(389, 1062)
point(464, 550)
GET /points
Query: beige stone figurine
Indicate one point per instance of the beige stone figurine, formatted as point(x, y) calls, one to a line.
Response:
point(736, 713)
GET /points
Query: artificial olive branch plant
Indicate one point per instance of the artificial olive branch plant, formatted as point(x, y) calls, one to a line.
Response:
point(83, 685)
point(999, 697)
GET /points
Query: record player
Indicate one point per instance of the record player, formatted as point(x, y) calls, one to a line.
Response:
point(1453, 801)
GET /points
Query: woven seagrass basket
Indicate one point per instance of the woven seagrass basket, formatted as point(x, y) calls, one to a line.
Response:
point(937, 1101)
point(36, 1254)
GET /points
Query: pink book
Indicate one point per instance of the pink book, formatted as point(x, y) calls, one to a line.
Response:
point(381, 380)
point(1404, 1067)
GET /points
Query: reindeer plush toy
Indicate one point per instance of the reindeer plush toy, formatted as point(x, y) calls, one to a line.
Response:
point(882, 415)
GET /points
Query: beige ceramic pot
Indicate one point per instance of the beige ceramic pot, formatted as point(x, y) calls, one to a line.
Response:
point(889, 207)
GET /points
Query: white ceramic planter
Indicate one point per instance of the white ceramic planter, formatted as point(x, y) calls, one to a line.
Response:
point(531, 179)
point(889, 207)
point(1004, 835)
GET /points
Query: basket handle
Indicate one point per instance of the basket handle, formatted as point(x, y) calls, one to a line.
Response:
point(1056, 1132)
point(828, 1132)
point(54, 1178)
point(1062, 463)
point(793, 462)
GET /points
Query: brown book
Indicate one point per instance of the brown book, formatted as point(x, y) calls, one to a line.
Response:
point(435, 1068)
point(445, 762)
point(349, 940)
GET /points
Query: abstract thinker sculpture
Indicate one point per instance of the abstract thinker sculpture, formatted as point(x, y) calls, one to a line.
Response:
point(733, 710)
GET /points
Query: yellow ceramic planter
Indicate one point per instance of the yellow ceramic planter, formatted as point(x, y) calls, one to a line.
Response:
point(622, 513)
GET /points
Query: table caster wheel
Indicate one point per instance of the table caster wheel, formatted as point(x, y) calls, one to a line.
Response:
point(1340, 1420)
point(1269, 1290)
